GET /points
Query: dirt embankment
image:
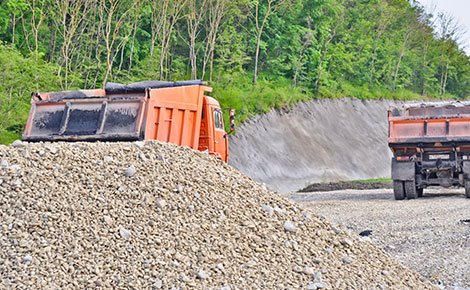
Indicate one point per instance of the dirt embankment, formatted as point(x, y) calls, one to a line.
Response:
point(316, 141)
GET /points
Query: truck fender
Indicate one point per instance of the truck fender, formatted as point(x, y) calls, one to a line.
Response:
point(466, 169)
point(403, 171)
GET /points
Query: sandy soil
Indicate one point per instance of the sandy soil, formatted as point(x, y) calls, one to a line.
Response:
point(430, 235)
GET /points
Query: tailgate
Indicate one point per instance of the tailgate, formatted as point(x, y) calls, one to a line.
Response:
point(87, 119)
point(415, 130)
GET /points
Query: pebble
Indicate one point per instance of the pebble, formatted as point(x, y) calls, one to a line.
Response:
point(336, 230)
point(202, 275)
point(17, 143)
point(27, 258)
point(161, 203)
point(317, 285)
point(108, 159)
point(347, 260)
point(268, 209)
point(125, 234)
point(308, 270)
point(15, 167)
point(307, 215)
point(288, 226)
point(41, 152)
point(130, 171)
point(346, 242)
point(317, 260)
point(4, 163)
point(179, 188)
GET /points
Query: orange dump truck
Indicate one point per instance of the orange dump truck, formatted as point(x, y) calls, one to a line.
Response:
point(431, 147)
point(175, 112)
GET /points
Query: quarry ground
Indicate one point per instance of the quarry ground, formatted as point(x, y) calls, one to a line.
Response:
point(430, 235)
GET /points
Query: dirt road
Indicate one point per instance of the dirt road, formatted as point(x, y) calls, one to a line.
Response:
point(430, 235)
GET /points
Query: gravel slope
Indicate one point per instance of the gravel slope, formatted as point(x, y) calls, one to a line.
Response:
point(430, 235)
point(153, 215)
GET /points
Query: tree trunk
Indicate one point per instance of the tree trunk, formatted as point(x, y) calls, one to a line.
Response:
point(255, 72)
point(402, 53)
point(371, 72)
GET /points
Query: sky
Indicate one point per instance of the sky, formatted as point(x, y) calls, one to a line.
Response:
point(458, 8)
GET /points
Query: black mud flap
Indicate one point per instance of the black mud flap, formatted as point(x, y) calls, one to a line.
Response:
point(403, 171)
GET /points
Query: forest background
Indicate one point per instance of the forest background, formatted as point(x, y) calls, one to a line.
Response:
point(257, 54)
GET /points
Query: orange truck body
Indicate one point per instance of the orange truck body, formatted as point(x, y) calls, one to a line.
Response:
point(176, 112)
point(431, 147)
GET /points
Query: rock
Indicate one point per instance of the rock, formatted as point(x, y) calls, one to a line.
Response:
point(365, 233)
point(202, 275)
point(307, 215)
point(161, 203)
point(158, 284)
point(27, 258)
point(139, 144)
point(317, 276)
point(346, 242)
point(317, 260)
point(220, 266)
point(197, 195)
point(191, 207)
point(298, 269)
point(225, 288)
point(146, 264)
point(108, 159)
point(308, 270)
point(347, 260)
point(17, 143)
point(384, 272)
point(288, 226)
point(4, 163)
point(336, 230)
point(41, 152)
point(15, 167)
point(317, 285)
point(125, 234)
point(179, 188)
point(329, 250)
point(184, 278)
point(130, 171)
point(268, 209)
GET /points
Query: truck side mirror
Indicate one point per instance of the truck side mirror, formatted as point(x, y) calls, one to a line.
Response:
point(232, 120)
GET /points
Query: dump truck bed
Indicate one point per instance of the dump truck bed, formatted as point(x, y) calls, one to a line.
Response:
point(429, 124)
point(164, 111)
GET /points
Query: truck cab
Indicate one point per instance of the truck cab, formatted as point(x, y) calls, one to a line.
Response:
point(212, 136)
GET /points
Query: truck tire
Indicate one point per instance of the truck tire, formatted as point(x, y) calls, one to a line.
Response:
point(467, 188)
point(410, 190)
point(398, 190)
point(419, 192)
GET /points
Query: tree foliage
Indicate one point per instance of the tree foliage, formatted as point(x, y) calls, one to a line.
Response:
point(257, 54)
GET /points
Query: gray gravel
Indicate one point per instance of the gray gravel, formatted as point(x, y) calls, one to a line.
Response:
point(71, 218)
point(430, 234)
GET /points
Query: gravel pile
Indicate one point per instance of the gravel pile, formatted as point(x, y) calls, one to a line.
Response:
point(154, 215)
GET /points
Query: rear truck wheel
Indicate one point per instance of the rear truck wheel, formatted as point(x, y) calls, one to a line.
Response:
point(410, 190)
point(419, 191)
point(398, 190)
point(467, 188)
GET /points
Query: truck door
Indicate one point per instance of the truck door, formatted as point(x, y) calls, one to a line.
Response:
point(220, 145)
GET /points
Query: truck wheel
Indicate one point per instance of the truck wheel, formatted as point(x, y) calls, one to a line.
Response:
point(419, 191)
point(410, 190)
point(398, 190)
point(467, 188)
